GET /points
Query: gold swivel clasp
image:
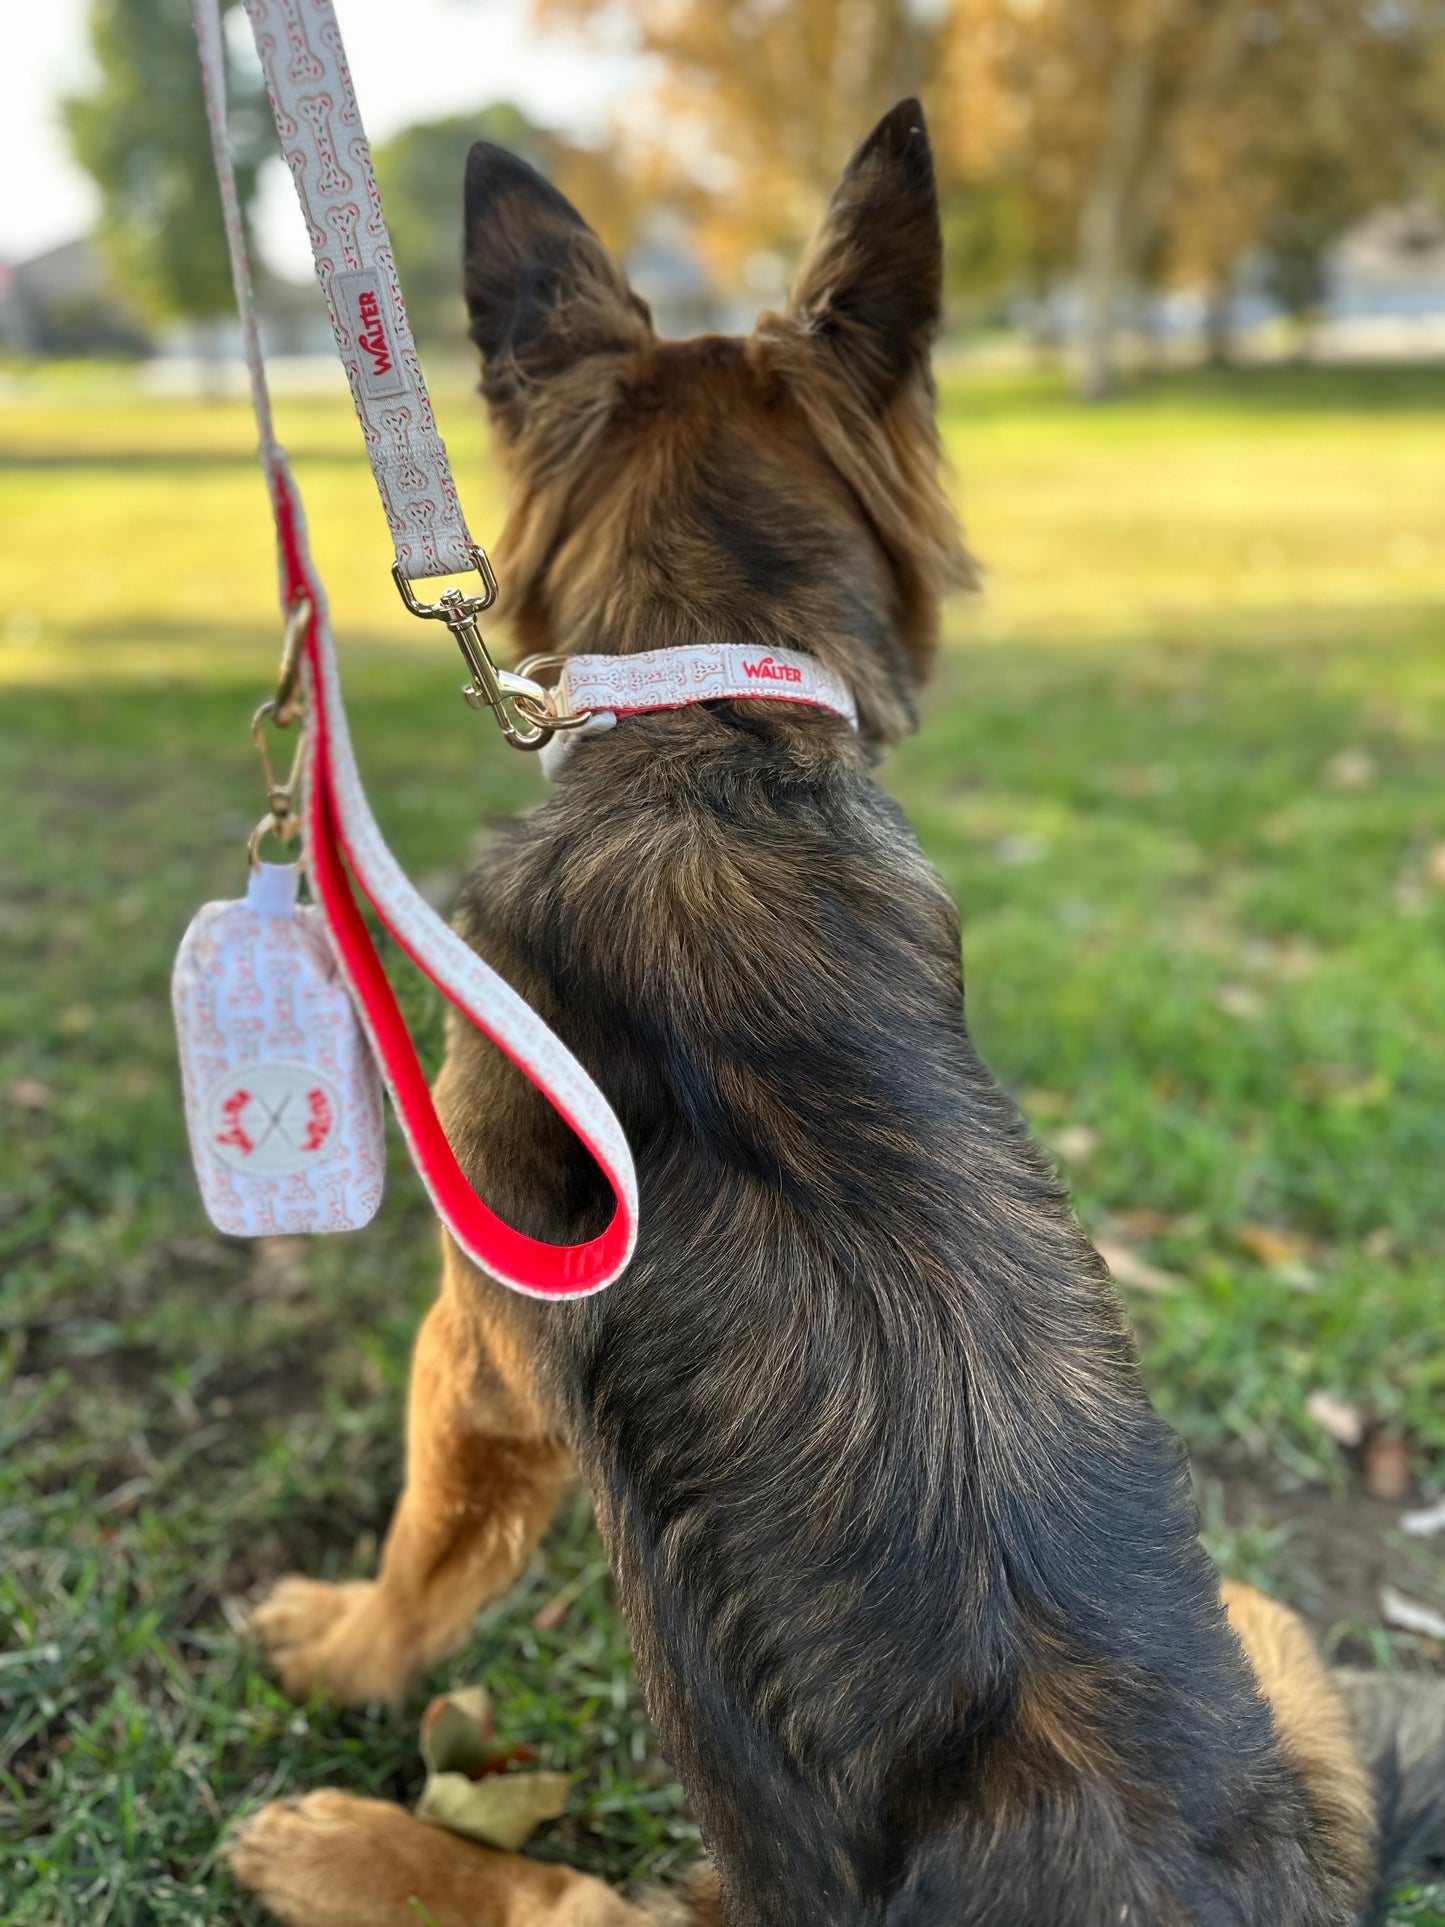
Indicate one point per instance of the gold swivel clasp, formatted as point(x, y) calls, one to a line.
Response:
point(526, 712)
point(280, 711)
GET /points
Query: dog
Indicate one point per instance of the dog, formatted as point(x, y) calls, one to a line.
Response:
point(910, 1565)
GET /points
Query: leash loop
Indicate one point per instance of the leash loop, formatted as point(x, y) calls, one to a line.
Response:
point(299, 42)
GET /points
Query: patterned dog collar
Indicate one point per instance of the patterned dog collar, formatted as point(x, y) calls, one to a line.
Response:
point(605, 687)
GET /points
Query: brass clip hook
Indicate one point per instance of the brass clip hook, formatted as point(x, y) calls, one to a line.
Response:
point(281, 710)
point(524, 711)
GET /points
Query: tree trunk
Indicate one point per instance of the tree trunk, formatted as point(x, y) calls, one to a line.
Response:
point(1219, 325)
point(1104, 223)
point(1135, 174)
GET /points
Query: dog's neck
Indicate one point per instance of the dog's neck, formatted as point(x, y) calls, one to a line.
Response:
point(874, 671)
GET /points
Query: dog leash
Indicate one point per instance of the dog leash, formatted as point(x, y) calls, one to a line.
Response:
point(299, 42)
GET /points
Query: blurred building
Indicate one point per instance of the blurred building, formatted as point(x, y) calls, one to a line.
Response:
point(65, 302)
point(1387, 278)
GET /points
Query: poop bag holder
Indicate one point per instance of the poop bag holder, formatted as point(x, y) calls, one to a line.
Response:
point(282, 1093)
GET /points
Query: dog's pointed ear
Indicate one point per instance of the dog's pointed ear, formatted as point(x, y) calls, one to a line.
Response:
point(870, 288)
point(543, 293)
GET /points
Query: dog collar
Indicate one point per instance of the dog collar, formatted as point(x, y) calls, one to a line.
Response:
point(603, 688)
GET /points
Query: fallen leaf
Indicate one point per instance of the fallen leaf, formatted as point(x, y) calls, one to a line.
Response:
point(1435, 865)
point(1025, 848)
point(1133, 1271)
point(1424, 1524)
point(1379, 1243)
point(502, 1810)
point(1042, 1103)
point(1142, 1223)
point(457, 1732)
point(1343, 1422)
point(1294, 958)
point(468, 1787)
point(1341, 1085)
point(1270, 1245)
point(1075, 1143)
point(550, 1616)
point(1238, 1000)
point(29, 1094)
point(1409, 1615)
point(1387, 1465)
point(1351, 769)
point(236, 1611)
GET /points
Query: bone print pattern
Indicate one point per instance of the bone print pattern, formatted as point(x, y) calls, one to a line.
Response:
point(332, 177)
point(669, 678)
point(475, 989)
point(343, 222)
point(375, 219)
point(302, 64)
point(397, 423)
point(266, 949)
point(300, 1203)
point(350, 114)
point(330, 162)
point(285, 1036)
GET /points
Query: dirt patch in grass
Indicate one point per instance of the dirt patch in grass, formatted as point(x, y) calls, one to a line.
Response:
point(1331, 1554)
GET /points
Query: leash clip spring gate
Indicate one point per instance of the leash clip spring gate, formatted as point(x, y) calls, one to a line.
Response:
point(526, 713)
point(281, 710)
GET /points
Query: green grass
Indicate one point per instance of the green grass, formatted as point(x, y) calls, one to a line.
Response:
point(1184, 772)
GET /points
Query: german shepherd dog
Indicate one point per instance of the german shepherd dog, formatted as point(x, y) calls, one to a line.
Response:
point(910, 1565)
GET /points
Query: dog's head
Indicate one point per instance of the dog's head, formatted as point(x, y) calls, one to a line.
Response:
point(782, 490)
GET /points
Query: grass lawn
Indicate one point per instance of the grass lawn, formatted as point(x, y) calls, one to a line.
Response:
point(1185, 770)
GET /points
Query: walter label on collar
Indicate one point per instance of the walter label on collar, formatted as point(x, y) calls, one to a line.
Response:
point(603, 688)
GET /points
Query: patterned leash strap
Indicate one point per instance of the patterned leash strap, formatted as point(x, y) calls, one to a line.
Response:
point(301, 51)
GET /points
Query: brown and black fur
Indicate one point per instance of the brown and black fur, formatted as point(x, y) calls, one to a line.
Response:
point(909, 1562)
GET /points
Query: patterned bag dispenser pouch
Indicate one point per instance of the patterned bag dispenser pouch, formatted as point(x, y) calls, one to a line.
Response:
point(283, 1096)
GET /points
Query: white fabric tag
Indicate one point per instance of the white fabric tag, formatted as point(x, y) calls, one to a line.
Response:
point(283, 1097)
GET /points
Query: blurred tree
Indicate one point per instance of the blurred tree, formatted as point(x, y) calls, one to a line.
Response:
point(1206, 125)
point(1081, 103)
point(1321, 127)
point(142, 135)
point(760, 105)
point(420, 173)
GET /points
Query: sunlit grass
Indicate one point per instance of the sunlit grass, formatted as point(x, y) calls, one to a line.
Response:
point(1183, 768)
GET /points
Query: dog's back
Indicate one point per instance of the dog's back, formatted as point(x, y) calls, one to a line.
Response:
point(910, 1563)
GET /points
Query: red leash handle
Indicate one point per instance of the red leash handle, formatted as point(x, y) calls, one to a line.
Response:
point(342, 841)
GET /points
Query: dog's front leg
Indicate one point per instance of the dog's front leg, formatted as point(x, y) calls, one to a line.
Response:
point(332, 1860)
point(484, 1474)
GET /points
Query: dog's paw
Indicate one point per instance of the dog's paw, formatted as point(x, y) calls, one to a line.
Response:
point(333, 1860)
point(330, 1859)
point(335, 1641)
